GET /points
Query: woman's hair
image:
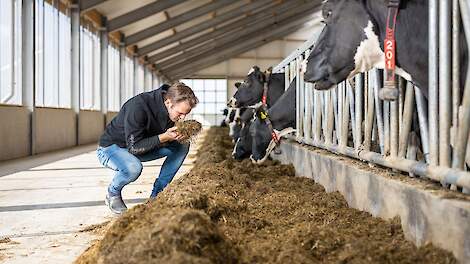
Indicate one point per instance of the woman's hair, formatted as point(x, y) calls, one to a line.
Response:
point(179, 92)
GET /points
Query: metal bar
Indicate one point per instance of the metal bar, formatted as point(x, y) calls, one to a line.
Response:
point(359, 88)
point(369, 117)
point(444, 82)
point(401, 100)
point(437, 173)
point(334, 94)
point(330, 117)
point(140, 13)
point(352, 107)
point(256, 13)
point(407, 120)
point(433, 84)
point(177, 20)
point(299, 102)
point(378, 106)
point(394, 128)
point(464, 118)
point(318, 115)
point(455, 70)
point(345, 118)
point(339, 106)
point(423, 122)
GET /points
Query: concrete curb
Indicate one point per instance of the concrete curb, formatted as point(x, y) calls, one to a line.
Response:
point(426, 216)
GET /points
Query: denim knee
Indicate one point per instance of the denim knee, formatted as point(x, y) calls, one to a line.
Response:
point(132, 170)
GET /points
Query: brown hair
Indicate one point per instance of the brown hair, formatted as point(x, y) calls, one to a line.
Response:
point(179, 92)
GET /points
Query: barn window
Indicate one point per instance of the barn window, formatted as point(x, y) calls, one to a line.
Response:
point(52, 48)
point(212, 94)
point(114, 78)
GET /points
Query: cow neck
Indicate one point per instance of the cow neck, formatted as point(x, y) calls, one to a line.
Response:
point(264, 107)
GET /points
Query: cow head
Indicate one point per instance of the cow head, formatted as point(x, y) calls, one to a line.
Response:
point(232, 101)
point(242, 147)
point(347, 44)
point(250, 91)
point(261, 136)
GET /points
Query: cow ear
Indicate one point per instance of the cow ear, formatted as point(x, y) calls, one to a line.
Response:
point(237, 84)
point(261, 76)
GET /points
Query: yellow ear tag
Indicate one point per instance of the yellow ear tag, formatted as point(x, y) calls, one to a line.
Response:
point(263, 115)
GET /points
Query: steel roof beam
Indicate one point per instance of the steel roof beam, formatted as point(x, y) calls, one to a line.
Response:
point(89, 4)
point(141, 13)
point(175, 21)
point(246, 33)
point(222, 56)
point(261, 5)
point(208, 58)
point(259, 16)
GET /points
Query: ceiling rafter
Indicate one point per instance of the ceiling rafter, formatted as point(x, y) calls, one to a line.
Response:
point(233, 30)
point(89, 4)
point(256, 39)
point(293, 15)
point(258, 6)
point(141, 13)
point(227, 54)
point(175, 21)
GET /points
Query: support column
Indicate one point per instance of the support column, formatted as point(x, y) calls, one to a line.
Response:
point(104, 71)
point(75, 74)
point(122, 67)
point(28, 68)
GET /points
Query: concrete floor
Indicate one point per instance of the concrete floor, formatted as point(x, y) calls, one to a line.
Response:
point(47, 199)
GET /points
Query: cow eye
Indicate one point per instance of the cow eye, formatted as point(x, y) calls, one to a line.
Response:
point(328, 14)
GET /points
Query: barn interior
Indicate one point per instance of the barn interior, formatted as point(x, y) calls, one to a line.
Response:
point(348, 183)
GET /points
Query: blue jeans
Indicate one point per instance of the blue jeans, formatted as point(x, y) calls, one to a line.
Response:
point(128, 167)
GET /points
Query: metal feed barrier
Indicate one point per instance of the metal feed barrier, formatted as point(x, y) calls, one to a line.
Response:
point(428, 138)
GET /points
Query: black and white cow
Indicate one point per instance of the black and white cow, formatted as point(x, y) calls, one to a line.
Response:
point(282, 116)
point(249, 92)
point(353, 36)
point(242, 148)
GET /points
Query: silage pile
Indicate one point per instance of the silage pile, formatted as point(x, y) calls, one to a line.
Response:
point(226, 211)
point(189, 129)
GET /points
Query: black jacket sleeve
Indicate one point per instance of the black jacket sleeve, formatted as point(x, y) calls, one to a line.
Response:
point(134, 129)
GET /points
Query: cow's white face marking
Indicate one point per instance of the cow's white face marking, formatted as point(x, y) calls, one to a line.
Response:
point(235, 147)
point(369, 55)
point(251, 70)
point(231, 127)
point(227, 118)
